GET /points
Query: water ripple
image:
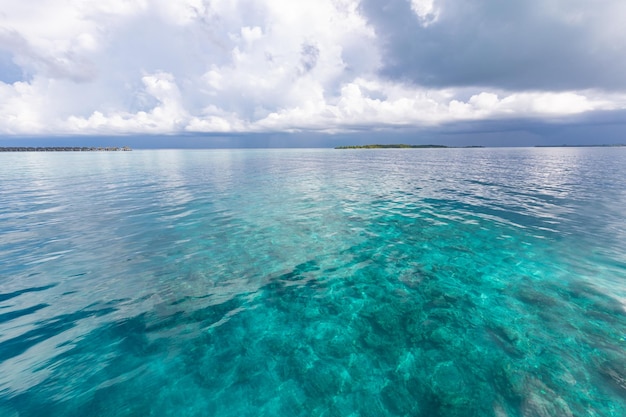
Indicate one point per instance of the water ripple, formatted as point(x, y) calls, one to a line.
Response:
point(445, 282)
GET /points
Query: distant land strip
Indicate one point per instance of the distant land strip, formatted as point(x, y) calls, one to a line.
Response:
point(581, 146)
point(396, 146)
point(64, 149)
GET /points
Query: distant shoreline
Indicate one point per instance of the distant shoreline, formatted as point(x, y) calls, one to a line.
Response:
point(405, 146)
point(401, 146)
point(64, 149)
point(581, 146)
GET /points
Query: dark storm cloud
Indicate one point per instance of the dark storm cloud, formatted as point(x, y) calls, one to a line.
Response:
point(533, 44)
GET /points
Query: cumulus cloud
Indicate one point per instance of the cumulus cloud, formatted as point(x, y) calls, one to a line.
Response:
point(371, 104)
point(167, 116)
point(156, 66)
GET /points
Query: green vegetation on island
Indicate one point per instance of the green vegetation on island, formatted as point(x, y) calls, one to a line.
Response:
point(393, 146)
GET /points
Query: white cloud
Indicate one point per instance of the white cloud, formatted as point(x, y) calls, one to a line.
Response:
point(367, 103)
point(426, 11)
point(20, 108)
point(168, 116)
point(156, 66)
point(251, 34)
point(180, 12)
point(531, 104)
point(212, 124)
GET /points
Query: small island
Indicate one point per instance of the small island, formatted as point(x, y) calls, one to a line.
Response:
point(64, 149)
point(393, 146)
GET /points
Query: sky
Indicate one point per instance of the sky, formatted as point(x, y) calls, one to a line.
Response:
point(193, 72)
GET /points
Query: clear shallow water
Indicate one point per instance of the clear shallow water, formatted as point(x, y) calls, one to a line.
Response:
point(431, 282)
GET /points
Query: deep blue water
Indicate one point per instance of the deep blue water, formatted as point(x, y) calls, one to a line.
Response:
point(427, 282)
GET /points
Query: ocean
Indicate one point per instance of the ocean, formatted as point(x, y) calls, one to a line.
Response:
point(316, 282)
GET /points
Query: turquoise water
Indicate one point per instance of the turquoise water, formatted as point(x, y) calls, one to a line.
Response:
point(429, 282)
